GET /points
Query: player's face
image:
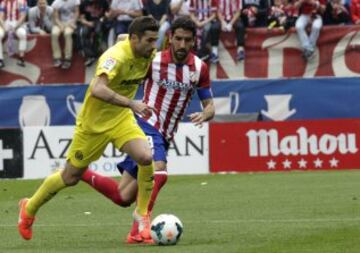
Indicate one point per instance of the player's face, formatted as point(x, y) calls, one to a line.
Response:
point(181, 43)
point(147, 44)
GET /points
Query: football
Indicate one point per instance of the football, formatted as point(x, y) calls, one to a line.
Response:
point(166, 229)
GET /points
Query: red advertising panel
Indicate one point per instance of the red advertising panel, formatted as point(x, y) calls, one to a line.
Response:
point(281, 146)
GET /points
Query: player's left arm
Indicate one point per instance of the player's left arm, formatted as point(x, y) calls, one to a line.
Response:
point(197, 118)
point(206, 96)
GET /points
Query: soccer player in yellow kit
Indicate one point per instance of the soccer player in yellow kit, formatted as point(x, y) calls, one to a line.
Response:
point(107, 115)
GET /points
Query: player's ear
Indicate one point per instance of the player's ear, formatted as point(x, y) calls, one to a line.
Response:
point(170, 38)
point(134, 37)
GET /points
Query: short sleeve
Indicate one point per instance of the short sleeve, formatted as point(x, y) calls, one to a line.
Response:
point(204, 80)
point(107, 65)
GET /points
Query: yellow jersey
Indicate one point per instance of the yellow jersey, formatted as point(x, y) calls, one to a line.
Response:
point(125, 73)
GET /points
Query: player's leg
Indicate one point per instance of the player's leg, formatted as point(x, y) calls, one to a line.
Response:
point(122, 193)
point(91, 146)
point(132, 140)
point(160, 179)
point(140, 152)
point(48, 189)
point(160, 147)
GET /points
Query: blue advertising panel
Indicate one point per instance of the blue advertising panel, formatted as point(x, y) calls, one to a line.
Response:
point(275, 100)
point(40, 105)
point(292, 99)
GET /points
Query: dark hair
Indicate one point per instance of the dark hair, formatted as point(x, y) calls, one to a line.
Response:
point(142, 24)
point(185, 23)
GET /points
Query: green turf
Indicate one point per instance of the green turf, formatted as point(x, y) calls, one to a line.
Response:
point(291, 212)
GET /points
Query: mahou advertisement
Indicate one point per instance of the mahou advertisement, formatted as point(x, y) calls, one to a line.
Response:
point(281, 146)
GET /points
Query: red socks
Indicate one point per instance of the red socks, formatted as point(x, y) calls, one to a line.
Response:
point(105, 185)
point(160, 178)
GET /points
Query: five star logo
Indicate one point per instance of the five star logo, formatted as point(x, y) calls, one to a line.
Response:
point(303, 164)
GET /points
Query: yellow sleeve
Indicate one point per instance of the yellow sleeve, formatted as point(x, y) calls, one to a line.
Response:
point(108, 65)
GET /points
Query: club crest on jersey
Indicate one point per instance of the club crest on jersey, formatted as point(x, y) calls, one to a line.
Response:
point(109, 63)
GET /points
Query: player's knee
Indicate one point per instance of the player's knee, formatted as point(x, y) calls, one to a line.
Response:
point(125, 204)
point(71, 175)
point(125, 201)
point(71, 180)
point(145, 159)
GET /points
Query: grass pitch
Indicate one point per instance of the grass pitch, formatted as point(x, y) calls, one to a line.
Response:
point(302, 212)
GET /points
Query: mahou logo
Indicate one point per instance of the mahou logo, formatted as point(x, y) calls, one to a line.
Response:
point(268, 143)
point(287, 145)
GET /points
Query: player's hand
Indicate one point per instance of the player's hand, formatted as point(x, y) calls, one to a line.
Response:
point(140, 108)
point(197, 118)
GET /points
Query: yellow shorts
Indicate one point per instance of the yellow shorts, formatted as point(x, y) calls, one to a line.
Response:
point(88, 147)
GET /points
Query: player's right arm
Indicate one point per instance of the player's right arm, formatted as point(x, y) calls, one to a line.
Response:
point(100, 90)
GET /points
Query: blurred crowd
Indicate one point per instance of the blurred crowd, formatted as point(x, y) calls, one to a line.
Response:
point(91, 26)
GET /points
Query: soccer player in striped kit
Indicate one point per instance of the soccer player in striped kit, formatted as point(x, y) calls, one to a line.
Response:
point(174, 76)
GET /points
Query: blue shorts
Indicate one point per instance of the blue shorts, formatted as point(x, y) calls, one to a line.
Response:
point(157, 143)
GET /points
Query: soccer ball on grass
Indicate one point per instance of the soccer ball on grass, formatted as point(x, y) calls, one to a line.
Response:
point(166, 229)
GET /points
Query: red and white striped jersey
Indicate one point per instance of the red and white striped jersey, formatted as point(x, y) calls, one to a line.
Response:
point(203, 9)
point(169, 88)
point(228, 8)
point(12, 9)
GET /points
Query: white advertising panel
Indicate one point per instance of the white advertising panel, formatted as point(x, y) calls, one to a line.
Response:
point(189, 153)
point(45, 150)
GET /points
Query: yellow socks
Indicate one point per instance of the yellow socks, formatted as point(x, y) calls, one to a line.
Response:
point(51, 185)
point(145, 185)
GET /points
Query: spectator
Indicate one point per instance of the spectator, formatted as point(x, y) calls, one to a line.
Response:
point(66, 13)
point(336, 13)
point(160, 10)
point(90, 27)
point(310, 11)
point(255, 13)
point(229, 12)
point(355, 11)
point(40, 18)
point(291, 12)
point(124, 11)
point(179, 8)
point(12, 22)
point(277, 15)
point(204, 14)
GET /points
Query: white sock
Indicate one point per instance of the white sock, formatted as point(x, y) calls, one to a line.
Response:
point(214, 50)
point(240, 48)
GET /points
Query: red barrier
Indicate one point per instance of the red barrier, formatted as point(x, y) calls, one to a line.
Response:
point(275, 53)
point(281, 146)
point(269, 54)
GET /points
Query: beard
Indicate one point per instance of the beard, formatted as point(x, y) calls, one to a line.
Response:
point(181, 55)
